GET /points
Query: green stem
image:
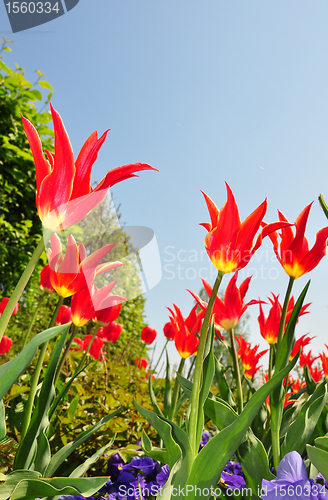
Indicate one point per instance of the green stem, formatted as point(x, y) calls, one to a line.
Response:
point(271, 360)
point(176, 387)
point(194, 404)
point(15, 296)
point(284, 312)
point(41, 299)
point(192, 364)
point(36, 375)
point(240, 403)
point(87, 350)
point(65, 354)
point(154, 369)
point(276, 413)
point(323, 205)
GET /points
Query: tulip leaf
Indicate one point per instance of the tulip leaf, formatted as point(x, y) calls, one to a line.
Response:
point(81, 469)
point(310, 383)
point(224, 389)
point(255, 463)
point(323, 205)
point(3, 430)
point(152, 396)
point(159, 454)
point(301, 429)
point(164, 429)
point(220, 413)
point(34, 448)
point(319, 458)
point(11, 370)
point(167, 389)
point(208, 464)
point(64, 452)
point(28, 485)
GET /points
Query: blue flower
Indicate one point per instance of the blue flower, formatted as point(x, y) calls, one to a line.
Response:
point(292, 482)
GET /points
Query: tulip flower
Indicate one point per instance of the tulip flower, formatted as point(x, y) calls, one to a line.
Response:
point(169, 332)
point(4, 301)
point(227, 312)
point(111, 332)
point(186, 330)
point(148, 335)
point(64, 195)
point(64, 315)
point(99, 305)
point(324, 361)
point(5, 344)
point(96, 346)
point(71, 273)
point(294, 254)
point(269, 326)
point(45, 283)
point(307, 359)
point(229, 243)
point(315, 373)
point(300, 343)
point(249, 356)
point(141, 363)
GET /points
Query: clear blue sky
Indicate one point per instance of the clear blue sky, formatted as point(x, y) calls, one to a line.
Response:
point(205, 92)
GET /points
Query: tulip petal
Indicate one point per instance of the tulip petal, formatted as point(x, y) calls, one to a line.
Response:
point(119, 174)
point(213, 211)
point(317, 252)
point(84, 163)
point(42, 167)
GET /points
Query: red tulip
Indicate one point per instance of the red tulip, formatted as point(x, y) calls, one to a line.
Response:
point(169, 332)
point(96, 346)
point(249, 357)
point(227, 312)
point(64, 195)
point(5, 344)
point(300, 343)
point(324, 361)
point(295, 256)
point(99, 305)
point(306, 359)
point(111, 332)
point(45, 283)
point(141, 363)
point(229, 243)
point(186, 330)
point(4, 301)
point(316, 374)
point(148, 335)
point(64, 315)
point(269, 326)
point(71, 273)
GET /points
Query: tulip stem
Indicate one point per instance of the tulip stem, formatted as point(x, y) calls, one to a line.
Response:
point(20, 287)
point(240, 403)
point(87, 349)
point(276, 412)
point(36, 375)
point(284, 313)
point(194, 403)
point(28, 331)
point(192, 364)
point(176, 387)
point(154, 369)
point(271, 360)
point(65, 354)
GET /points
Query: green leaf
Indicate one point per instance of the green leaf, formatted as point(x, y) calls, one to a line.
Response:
point(319, 458)
point(220, 413)
point(208, 465)
point(164, 430)
point(5, 68)
point(224, 389)
point(11, 370)
point(73, 406)
point(323, 205)
point(301, 429)
point(45, 84)
point(310, 383)
point(27, 485)
point(255, 463)
point(152, 396)
point(64, 452)
point(34, 450)
point(81, 469)
point(3, 430)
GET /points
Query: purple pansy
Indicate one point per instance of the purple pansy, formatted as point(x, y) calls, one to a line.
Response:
point(292, 482)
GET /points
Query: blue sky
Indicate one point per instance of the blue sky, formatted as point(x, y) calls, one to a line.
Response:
point(206, 92)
